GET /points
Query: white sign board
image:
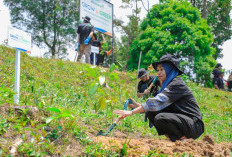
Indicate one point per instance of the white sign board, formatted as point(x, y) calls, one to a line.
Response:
point(94, 49)
point(19, 39)
point(101, 14)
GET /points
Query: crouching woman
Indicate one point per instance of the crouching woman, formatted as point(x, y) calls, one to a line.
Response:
point(173, 111)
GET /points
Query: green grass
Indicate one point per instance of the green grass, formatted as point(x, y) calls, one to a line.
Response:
point(71, 102)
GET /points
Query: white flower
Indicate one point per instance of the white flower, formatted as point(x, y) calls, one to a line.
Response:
point(102, 80)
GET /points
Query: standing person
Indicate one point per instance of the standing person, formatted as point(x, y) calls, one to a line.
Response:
point(218, 82)
point(85, 33)
point(173, 111)
point(229, 82)
point(96, 43)
point(101, 56)
point(145, 82)
point(215, 72)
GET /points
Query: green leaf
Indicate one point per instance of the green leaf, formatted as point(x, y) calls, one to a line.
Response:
point(93, 90)
point(49, 119)
point(54, 109)
point(112, 67)
point(102, 102)
point(65, 115)
point(59, 128)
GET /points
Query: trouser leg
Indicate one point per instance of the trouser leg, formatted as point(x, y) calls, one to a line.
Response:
point(81, 52)
point(178, 125)
point(169, 124)
point(87, 53)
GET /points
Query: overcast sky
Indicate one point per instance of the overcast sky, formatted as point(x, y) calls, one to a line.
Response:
point(120, 13)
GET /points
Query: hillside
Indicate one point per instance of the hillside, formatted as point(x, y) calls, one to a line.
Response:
point(62, 107)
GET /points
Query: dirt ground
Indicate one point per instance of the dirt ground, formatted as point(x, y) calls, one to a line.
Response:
point(141, 146)
point(137, 146)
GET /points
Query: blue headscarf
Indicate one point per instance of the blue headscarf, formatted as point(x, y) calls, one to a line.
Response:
point(171, 72)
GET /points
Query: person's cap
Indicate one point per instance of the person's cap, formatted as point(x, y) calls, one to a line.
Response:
point(219, 65)
point(87, 18)
point(170, 59)
point(142, 72)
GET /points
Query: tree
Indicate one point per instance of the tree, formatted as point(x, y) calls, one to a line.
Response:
point(51, 22)
point(129, 31)
point(217, 13)
point(176, 27)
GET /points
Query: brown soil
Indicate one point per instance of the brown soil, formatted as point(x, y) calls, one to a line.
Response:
point(139, 146)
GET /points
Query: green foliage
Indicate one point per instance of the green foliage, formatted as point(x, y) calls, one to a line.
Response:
point(93, 89)
point(82, 138)
point(52, 23)
point(156, 153)
point(59, 114)
point(175, 27)
point(32, 149)
point(130, 31)
point(217, 14)
point(97, 150)
point(112, 67)
point(4, 125)
point(54, 134)
point(7, 95)
point(124, 148)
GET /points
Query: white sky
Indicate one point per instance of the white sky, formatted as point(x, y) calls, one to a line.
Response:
point(120, 13)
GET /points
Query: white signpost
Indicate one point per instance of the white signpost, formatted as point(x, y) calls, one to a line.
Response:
point(101, 14)
point(22, 42)
point(94, 50)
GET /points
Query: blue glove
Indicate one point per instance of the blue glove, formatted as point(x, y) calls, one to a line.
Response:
point(155, 79)
point(87, 41)
point(77, 46)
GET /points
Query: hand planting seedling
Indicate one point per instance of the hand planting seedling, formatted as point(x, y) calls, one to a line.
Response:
point(100, 133)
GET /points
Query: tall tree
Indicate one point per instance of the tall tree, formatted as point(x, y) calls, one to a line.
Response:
point(129, 31)
point(51, 22)
point(217, 13)
point(176, 27)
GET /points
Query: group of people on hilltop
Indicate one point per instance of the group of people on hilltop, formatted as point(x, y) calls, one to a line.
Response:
point(86, 39)
point(217, 76)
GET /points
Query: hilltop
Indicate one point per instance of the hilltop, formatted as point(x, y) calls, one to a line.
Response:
point(63, 106)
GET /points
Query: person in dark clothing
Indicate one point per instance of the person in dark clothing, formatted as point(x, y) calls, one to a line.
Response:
point(173, 111)
point(216, 71)
point(85, 33)
point(229, 83)
point(218, 82)
point(96, 43)
point(101, 55)
point(145, 82)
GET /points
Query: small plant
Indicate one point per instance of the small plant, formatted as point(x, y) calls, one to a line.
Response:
point(6, 95)
point(59, 114)
point(156, 153)
point(82, 138)
point(97, 150)
point(54, 134)
point(32, 149)
point(3, 125)
point(124, 149)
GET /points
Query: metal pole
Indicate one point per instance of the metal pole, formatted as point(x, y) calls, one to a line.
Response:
point(75, 57)
point(17, 76)
point(94, 58)
point(113, 34)
point(138, 73)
